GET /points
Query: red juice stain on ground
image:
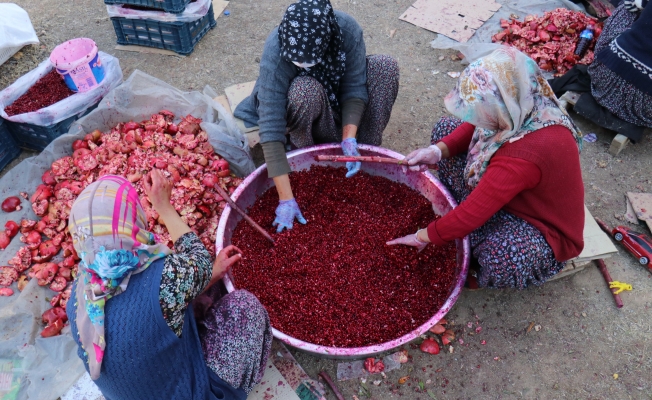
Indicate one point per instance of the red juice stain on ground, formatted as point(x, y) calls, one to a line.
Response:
point(46, 91)
point(334, 282)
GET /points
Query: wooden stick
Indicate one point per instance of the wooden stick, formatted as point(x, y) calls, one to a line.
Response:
point(251, 222)
point(330, 383)
point(375, 159)
point(603, 226)
point(607, 277)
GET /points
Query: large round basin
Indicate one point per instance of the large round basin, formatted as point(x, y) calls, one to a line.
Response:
point(425, 183)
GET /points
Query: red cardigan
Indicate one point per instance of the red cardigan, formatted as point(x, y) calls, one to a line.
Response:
point(537, 178)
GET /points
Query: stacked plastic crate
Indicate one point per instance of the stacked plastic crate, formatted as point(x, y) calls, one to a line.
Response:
point(175, 25)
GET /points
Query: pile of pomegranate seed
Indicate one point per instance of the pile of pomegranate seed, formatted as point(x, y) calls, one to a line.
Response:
point(334, 281)
point(46, 91)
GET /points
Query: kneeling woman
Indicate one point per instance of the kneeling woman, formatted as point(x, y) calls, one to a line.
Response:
point(130, 310)
point(513, 164)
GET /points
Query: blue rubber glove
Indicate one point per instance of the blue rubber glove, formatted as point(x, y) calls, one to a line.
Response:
point(286, 211)
point(350, 148)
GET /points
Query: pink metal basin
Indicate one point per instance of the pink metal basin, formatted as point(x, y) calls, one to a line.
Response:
point(425, 183)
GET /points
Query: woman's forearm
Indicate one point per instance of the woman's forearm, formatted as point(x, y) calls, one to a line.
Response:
point(283, 187)
point(173, 222)
point(445, 153)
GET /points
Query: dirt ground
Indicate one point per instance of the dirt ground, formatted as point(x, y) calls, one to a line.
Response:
point(583, 340)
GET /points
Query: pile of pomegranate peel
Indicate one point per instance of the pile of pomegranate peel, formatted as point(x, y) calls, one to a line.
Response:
point(430, 345)
point(550, 40)
point(130, 150)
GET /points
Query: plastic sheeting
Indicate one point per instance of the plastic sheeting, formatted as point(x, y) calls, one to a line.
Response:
point(72, 105)
point(492, 25)
point(50, 365)
point(193, 12)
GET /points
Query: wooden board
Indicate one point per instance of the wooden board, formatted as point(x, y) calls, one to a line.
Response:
point(456, 19)
point(597, 244)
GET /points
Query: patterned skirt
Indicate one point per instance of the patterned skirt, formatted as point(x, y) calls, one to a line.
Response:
point(311, 120)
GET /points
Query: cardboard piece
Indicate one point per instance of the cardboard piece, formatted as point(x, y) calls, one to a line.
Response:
point(148, 50)
point(456, 19)
point(235, 94)
point(252, 136)
point(273, 385)
point(642, 205)
point(630, 215)
point(597, 244)
point(218, 7)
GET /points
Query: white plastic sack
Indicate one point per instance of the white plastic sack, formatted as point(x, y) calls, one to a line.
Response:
point(193, 12)
point(15, 27)
point(492, 25)
point(66, 108)
point(142, 95)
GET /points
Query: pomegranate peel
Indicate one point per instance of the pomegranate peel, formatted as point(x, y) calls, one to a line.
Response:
point(430, 346)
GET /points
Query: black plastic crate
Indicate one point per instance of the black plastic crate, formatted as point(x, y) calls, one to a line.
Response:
point(37, 138)
point(179, 37)
point(8, 147)
point(170, 6)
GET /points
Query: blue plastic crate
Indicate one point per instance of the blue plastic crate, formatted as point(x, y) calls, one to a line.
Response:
point(179, 37)
point(8, 147)
point(37, 138)
point(170, 6)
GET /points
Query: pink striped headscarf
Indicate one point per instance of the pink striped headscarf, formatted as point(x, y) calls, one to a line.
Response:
point(108, 228)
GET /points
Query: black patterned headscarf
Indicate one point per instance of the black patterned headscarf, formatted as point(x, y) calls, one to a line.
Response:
point(309, 34)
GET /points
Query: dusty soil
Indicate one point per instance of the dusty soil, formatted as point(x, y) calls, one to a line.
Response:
point(583, 340)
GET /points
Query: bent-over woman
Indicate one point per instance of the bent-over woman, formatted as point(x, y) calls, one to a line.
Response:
point(130, 309)
point(317, 85)
point(511, 160)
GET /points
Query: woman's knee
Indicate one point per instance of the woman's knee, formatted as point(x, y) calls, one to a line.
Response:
point(381, 64)
point(244, 303)
point(444, 127)
point(305, 92)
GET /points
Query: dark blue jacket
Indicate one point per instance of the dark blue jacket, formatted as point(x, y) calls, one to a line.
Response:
point(144, 358)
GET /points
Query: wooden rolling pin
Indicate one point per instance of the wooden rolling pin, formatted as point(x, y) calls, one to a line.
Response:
point(247, 218)
point(376, 159)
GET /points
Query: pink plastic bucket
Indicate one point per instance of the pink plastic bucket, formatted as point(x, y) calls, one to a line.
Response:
point(78, 62)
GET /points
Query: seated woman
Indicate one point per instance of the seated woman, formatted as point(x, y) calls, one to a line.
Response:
point(621, 75)
point(130, 308)
point(317, 85)
point(513, 164)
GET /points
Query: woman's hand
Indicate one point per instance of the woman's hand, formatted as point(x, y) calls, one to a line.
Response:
point(413, 240)
point(419, 159)
point(286, 212)
point(158, 190)
point(226, 258)
point(350, 148)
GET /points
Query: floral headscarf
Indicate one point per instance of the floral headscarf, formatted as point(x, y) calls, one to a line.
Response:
point(506, 97)
point(310, 34)
point(107, 224)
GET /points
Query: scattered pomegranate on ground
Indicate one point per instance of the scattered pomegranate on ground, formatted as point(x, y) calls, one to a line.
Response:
point(550, 40)
point(11, 204)
point(130, 150)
